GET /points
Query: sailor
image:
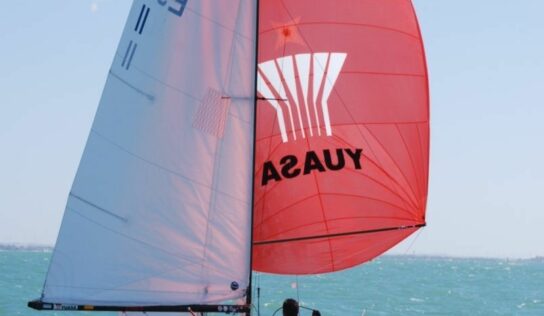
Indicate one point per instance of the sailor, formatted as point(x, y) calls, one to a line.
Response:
point(290, 307)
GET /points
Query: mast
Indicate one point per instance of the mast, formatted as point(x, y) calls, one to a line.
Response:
point(255, 100)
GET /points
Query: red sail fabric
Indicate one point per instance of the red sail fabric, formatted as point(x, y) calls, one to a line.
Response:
point(342, 139)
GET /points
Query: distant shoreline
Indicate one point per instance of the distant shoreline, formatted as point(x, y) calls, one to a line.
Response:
point(26, 247)
point(48, 248)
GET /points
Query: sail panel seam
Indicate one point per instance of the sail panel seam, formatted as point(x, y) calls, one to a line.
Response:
point(343, 23)
point(166, 169)
point(174, 255)
point(355, 124)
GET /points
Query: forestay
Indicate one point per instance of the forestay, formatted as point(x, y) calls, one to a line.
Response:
point(159, 212)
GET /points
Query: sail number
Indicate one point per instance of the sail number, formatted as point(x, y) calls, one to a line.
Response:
point(177, 7)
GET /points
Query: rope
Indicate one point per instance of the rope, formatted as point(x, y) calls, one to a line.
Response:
point(413, 241)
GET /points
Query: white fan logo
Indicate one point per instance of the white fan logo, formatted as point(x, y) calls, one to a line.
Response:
point(280, 75)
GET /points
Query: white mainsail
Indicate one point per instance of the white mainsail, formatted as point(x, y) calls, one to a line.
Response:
point(159, 211)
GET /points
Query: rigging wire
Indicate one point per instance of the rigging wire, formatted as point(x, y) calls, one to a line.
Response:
point(258, 283)
point(413, 241)
point(296, 284)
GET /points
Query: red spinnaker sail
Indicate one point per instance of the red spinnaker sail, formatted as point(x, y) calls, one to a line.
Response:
point(342, 148)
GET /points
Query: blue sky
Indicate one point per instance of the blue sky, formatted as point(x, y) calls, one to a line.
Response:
point(485, 64)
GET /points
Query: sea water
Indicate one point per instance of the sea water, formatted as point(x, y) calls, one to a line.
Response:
point(390, 285)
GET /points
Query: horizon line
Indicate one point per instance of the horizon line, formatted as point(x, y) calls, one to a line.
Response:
point(31, 247)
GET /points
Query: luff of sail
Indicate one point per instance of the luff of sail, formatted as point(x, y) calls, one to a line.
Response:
point(159, 211)
point(342, 133)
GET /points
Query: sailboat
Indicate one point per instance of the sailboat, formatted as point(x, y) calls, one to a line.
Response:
point(287, 137)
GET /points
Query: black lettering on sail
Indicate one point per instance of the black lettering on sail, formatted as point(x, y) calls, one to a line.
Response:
point(289, 162)
point(289, 165)
point(340, 159)
point(312, 163)
point(269, 173)
point(355, 156)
